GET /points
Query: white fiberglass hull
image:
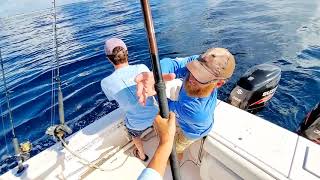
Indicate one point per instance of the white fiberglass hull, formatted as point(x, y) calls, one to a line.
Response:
point(240, 146)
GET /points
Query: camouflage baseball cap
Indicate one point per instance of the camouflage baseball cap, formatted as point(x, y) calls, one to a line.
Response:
point(214, 64)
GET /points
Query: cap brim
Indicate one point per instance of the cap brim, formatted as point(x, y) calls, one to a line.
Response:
point(199, 72)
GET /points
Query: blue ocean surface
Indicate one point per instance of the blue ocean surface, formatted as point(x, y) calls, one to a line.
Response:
point(283, 33)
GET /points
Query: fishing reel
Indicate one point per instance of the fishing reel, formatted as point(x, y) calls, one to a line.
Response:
point(22, 153)
point(25, 149)
point(58, 131)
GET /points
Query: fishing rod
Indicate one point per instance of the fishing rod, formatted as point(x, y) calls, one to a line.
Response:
point(58, 131)
point(56, 57)
point(159, 83)
point(23, 149)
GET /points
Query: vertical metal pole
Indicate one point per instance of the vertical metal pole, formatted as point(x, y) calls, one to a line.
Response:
point(18, 155)
point(159, 83)
point(15, 141)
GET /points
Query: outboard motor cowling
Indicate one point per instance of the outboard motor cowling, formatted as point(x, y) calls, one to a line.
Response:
point(310, 127)
point(255, 87)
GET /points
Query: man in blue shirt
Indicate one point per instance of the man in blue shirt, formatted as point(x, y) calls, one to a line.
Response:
point(196, 101)
point(121, 87)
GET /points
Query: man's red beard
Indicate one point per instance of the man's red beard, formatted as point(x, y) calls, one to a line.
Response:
point(196, 91)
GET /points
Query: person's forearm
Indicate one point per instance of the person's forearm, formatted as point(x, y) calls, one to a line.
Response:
point(160, 158)
point(177, 65)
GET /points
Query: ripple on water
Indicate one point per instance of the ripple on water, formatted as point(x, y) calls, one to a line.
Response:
point(285, 33)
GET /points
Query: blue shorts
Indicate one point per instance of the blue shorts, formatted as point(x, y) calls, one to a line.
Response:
point(135, 133)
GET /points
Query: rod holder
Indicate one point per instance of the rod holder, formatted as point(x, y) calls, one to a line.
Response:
point(21, 167)
point(58, 131)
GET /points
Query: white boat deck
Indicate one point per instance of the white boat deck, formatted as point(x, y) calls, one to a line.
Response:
point(240, 146)
point(265, 144)
point(125, 166)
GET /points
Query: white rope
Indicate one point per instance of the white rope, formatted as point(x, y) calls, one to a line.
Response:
point(86, 162)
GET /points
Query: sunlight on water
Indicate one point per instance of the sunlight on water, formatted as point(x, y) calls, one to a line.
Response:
point(284, 33)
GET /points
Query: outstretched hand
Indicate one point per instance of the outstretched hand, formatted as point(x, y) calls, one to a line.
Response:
point(145, 85)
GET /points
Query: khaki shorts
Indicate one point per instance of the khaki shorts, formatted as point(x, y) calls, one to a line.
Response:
point(182, 142)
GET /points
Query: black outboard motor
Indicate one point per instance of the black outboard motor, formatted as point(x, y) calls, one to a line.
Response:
point(310, 127)
point(255, 87)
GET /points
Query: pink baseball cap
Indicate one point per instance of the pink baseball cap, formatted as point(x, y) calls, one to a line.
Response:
point(110, 44)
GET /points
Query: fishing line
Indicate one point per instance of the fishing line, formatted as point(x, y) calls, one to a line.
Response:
point(53, 75)
point(7, 97)
point(53, 102)
point(4, 134)
point(15, 141)
point(128, 88)
point(55, 40)
point(57, 69)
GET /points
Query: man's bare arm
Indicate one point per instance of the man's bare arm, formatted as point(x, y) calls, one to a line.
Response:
point(166, 129)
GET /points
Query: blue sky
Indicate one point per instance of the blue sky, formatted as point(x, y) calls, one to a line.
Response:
point(14, 7)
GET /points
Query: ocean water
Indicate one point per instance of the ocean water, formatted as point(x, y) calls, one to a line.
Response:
point(283, 33)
